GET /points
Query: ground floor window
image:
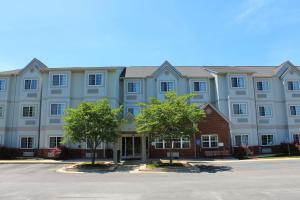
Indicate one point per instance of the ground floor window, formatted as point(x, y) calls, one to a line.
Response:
point(181, 143)
point(241, 140)
point(296, 137)
point(209, 141)
point(267, 140)
point(26, 142)
point(54, 141)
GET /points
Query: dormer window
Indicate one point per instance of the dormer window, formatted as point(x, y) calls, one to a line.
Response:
point(262, 85)
point(166, 86)
point(199, 86)
point(133, 87)
point(95, 79)
point(238, 82)
point(293, 85)
point(59, 80)
point(2, 84)
point(30, 84)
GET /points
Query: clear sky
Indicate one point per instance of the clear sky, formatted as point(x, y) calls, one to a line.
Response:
point(147, 32)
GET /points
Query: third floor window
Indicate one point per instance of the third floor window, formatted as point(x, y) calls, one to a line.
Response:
point(238, 82)
point(30, 84)
point(295, 110)
point(95, 79)
point(293, 85)
point(166, 86)
point(2, 84)
point(133, 87)
point(57, 109)
point(265, 111)
point(262, 85)
point(199, 86)
point(59, 80)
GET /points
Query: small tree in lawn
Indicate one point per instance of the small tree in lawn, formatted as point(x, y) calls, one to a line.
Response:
point(169, 119)
point(92, 123)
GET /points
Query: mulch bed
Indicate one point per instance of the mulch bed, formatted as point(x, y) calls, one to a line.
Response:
point(88, 167)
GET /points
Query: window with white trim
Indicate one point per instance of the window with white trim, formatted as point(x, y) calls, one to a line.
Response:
point(1, 111)
point(296, 137)
point(55, 141)
point(199, 86)
point(181, 143)
point(239, 108)
point(59, 79)
point(2, 84)
point(95, 79)
point(28, 111)
point(30, 84)
point(265, 111)
point(267, 140)
point(238, 82)
point(209, 141)
point(262, 85)
point(293, 85)
point(241, 140)
point(166, 86)
point(26, 142)
point(133, 110)
point(57, 109)
point(133, 87)
point(295, 110)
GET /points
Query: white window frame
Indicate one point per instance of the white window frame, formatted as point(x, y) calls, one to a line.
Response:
point(34, 111)
point(290, 113)
point(95, 74)
point(244, 114)
point(210, 141)
point(199, 81)
point(134, 82)
point(57, 115)
point(241, 135)
point(238, 77)
point(164, 143)
point(31, 79)
point(160, 82)
point(134, 107)
point(264, 83)
point(265, 106)
point(2, 111)
point(56, 141)
point(4, 86)
point(267, 134)
point(59, 85)
point(27, 137)
point(298, 135)
point(287, 85)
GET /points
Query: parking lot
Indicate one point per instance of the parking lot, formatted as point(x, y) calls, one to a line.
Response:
point(222, 180)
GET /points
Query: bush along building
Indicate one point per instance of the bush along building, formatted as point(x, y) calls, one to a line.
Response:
point(254, 106)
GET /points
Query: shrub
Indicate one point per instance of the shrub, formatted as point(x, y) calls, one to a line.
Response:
point(7, 153)
point(61, 153)
point(294, 148)
point(242, 152)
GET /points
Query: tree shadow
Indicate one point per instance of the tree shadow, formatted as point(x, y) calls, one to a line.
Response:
point(213, 168)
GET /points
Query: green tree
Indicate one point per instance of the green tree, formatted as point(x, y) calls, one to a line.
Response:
point(92, 123)
point(169, 119)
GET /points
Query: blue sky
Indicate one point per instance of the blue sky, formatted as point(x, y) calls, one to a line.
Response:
point(140, 32)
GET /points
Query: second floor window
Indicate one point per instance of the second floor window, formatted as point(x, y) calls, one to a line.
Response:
point(293, 85)
point(238, 82)
point(2, 84)
point(59, 80)
point(133, 110)
point(199, 86)
point(239, 108)
point(133, 87)
point(28, 111)
point(265, 111)
point(295, 110)
point(57, 109)
point(166, 86)
point(95, 79)
point(262, 85)
point(30, 84)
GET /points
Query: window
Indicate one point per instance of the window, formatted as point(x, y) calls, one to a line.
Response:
point(181, 143)
point(209, 141)
point(133, 87)
point(30, 84)
point(295, 110)
point(1, 111)
point(57, 109)
point(59, 80)
point(133, 110)
point(54, 142)
point(296, 137)
point(199, 86)
point(262, 85)
point(28, 111)
point(26, 142)
point(238, 82)
point(166, 86)
point(239, 108)
point(241, 140)
point(95, 79)
point(267, 140)
point(265, 111)
point(293, 85)
point(2, 84)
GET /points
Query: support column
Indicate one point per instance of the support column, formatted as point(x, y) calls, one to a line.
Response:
point(116, 148)
point(144, 155)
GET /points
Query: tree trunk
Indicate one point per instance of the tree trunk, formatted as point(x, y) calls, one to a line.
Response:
point(94, 155)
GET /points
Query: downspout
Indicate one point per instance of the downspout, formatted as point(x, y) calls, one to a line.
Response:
point(14, 106)
point(256, 114)
point(40, 114)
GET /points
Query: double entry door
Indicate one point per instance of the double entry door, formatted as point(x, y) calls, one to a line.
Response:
point(131, 147)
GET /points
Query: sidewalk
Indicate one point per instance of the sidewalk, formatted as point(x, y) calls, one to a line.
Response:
point(45, 161)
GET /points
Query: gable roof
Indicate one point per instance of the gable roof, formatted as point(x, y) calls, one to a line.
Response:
point(204, 106)
point(164, 66)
